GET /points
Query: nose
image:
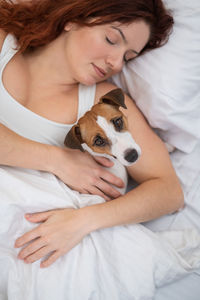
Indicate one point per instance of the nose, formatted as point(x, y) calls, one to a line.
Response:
point(131, 155)
point(115, 62)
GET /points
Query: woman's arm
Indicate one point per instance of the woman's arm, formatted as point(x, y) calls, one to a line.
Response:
point(76, 169)
point(18, 151)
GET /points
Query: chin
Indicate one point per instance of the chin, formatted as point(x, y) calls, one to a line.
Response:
point(88, 81)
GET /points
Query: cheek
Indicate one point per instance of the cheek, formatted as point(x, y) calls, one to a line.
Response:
point(94, 47)
point(76, 46)
point(100, 150)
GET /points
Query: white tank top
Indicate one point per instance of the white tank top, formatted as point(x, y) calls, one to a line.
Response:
point(27, 123)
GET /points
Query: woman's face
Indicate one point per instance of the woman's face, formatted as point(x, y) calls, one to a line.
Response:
point(95, 53)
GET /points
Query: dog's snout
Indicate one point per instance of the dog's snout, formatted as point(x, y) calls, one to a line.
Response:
point(131, 155)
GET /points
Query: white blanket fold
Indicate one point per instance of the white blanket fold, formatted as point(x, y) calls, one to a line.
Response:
point(123, 262)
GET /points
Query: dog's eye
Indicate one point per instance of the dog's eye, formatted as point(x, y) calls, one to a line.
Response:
point(99, 141)
point(118, 123)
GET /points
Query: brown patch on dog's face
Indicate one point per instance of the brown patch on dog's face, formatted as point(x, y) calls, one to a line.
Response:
point(110, 113)
point(92, 134)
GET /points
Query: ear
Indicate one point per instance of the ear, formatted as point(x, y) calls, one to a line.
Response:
point(68, 26)
point(114, 97)
point(73, 139)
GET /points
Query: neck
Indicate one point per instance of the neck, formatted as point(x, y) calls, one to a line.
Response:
point(49, 66)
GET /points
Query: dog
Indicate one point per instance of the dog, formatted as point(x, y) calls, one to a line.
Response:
point(103, 131)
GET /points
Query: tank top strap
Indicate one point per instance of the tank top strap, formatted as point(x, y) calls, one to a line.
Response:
point(86, 98)
point(9, 49)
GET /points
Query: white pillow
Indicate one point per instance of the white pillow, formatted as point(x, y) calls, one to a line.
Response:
point(165, 82)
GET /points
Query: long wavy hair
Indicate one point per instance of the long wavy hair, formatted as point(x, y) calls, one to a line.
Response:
point(36, 23)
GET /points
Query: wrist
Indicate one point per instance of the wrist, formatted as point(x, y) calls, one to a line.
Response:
point(108, 214)
point(53, 157)
point(94, 217)
point(87, 215)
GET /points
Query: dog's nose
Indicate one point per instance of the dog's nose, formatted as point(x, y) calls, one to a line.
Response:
point(131, 155)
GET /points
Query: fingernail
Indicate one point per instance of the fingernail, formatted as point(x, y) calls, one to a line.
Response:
point(16, 245)
point(28, 215)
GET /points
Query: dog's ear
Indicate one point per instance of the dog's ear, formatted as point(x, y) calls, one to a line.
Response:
point(114, 97)
point(73, 139)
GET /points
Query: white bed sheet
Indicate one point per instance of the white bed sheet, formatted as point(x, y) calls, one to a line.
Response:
point(187, 288)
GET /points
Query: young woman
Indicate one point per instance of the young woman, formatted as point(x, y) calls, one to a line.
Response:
point(54, 60)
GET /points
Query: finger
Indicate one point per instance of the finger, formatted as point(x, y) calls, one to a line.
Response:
point(27, 237)
point(38, 254)
point(38, 217)
point(31, 248)
point(110, 178)
point(95, 191)
point(50, 260)
point(103, 161)
point(108, 189)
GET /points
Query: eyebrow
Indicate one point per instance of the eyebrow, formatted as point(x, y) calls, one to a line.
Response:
point(123, 37)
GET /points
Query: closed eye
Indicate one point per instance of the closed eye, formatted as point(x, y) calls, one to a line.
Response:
point(109, 41)
point(118, 123)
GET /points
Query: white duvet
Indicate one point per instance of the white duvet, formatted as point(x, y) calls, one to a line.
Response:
point(119, 263)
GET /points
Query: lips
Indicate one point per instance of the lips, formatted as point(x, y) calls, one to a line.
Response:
point(100, 72)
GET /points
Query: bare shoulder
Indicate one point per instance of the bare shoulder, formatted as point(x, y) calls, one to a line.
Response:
point(105, 87)
point(102, 88)
point(3, 35)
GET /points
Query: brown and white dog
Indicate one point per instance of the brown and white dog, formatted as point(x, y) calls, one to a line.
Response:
point(103, 131)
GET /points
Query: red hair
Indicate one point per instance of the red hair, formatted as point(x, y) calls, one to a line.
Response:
point(35, 23)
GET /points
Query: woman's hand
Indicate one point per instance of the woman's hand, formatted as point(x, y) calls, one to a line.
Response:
point(58, 233)
point(84, 173)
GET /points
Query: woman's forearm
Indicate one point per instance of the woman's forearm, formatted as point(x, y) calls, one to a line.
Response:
point(18, 151)
point(148, 201)
point(76, 169)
